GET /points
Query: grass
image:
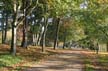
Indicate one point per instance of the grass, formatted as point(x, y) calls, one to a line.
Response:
point(24, 57)
point(103, 58)
point(96, 62)
point(88, 65)
point(9, 60)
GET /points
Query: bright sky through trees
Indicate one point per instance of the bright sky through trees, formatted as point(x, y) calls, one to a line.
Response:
point(83, 5)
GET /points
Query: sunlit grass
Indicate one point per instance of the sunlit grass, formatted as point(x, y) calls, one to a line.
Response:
point(103, 58)
point(9, 60)
point(100, 62)
point(24, 57)
point(88, 65)
point(89, 68)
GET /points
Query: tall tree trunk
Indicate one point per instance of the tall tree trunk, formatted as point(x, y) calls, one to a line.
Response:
point(64, 39)
point(43, 41)
point(35, 39)
point(44, 35)
point(40, 36)
point(57, 33)
point(107, 46)
point(37, 35)
point(3, 32)
point(24, 40)
point(13, 42)
point(6, 27)
point(14, 30)
point(97, 48)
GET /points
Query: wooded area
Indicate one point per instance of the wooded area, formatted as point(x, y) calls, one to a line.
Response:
point(55, 24)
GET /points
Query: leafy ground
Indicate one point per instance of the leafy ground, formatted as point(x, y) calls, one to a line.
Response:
point(96, 62)
point(25, 58)
point(65, 60)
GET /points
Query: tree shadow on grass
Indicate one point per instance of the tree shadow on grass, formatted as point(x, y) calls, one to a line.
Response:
point(2, 64)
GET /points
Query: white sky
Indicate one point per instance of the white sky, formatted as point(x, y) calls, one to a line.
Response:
point(84, 5)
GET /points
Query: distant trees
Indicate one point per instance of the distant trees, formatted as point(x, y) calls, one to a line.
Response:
point(71, 20)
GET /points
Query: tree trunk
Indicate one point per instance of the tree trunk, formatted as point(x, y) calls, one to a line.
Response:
point(13, 42)
point(3, 32)
point(5, 36)
point(64, 39)
point(40, 36)
point(13, 39)
point(24, 40)
point(14, 28)
point(97, 48)
point(107, 46)
point(35, 39)
point(57, 33)
point(44, 35)
point(43, 41)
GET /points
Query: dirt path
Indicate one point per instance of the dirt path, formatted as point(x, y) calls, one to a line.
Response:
point(66, 60)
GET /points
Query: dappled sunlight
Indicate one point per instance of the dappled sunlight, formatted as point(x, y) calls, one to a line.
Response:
point(98, 62)
point(53, 60)
point(64, 61)
point(28, 56)
point(103, 53)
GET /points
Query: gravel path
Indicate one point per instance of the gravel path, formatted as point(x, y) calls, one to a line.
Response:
point(68, 60)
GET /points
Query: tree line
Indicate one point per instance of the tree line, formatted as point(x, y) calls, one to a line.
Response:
point(54, 20)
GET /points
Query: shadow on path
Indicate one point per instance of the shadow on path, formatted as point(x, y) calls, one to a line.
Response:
point(68, 60)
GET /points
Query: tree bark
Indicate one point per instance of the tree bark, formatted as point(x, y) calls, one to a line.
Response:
point(6, 27)
point(107, 46)
point(24, 40)
point(40, 36)
point(44, 35)
point(35, 39)
point(3, 32)
point(13, 40)
point(14, 27)
point(64, 39)
point(97, 48)
point(57, 33)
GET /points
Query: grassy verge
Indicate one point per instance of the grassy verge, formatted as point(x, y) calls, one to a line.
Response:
point(103, 61)
point(9, 60)
point(88, 65)
point(96, 62)
point(24, 57)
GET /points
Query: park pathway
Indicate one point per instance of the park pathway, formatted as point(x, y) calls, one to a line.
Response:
point(66, 60)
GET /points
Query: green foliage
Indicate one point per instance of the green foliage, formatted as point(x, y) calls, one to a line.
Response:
point(35, 29)
point(9, 60)
point(93, 21)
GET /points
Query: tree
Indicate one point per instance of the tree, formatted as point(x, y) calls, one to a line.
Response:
point(26, 4)
point(93, 18)
point(15, 7)
point(5, 14)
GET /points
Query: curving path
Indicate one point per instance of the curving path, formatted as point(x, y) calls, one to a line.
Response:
point(67, 60)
